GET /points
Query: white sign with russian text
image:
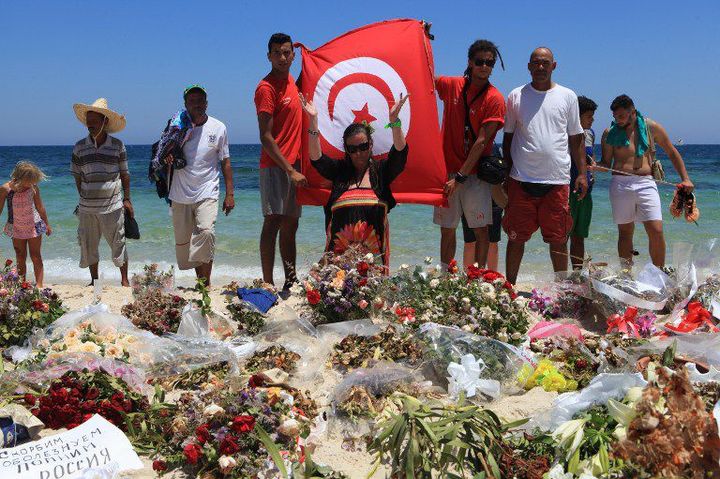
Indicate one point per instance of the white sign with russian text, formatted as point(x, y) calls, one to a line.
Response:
point(95, 444)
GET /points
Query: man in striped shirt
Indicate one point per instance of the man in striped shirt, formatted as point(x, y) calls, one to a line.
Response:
point(99, 165)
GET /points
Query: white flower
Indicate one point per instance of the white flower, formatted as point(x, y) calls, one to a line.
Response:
point(227, 464)
point(370, 258)
point(502, 337)
point(486, 312)
point(212, 410)
point(434, 283)
point(404, 267)
point(569, 435)
point(289, 428)
point(558, 472)
point(428, 259)
point(516, 336)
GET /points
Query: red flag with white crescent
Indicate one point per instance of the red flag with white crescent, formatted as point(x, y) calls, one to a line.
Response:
point(358, 77)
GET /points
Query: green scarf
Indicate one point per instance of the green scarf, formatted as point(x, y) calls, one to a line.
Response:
point(617, 136)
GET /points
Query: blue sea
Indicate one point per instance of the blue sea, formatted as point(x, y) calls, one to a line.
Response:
point(413, 235)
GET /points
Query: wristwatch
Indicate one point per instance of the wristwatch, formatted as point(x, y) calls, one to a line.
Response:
point(460, 178)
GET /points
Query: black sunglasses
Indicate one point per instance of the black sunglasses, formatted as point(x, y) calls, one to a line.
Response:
point(355, 148)
point(480, 62)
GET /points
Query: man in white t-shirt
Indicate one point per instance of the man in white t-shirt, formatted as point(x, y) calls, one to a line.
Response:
point(542, 136)
point(196, 187)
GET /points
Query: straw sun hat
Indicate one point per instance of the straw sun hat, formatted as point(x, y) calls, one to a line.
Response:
point(116, 121)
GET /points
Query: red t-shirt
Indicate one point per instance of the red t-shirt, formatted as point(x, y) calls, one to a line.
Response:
point(279, 98)
point(489, 107)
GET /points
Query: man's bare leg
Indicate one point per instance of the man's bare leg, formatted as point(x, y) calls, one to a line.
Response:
point(468, 254)
point(268, 239)
point(124, 275)
point(448, 243)
point(93, 273)
point(559, 256)
point(288, 248)
point(204, 271)
point(625, 241)
point(513, 258)
point(656, 240)
point(482, 243)
point(577, 251)
point(493, 258)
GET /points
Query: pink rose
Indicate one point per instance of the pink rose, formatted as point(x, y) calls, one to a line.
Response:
point(363, 304)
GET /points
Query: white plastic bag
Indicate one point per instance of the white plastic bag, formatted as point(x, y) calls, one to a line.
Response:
point(465, 377)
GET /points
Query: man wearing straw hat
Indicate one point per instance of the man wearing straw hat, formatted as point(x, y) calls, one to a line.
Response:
point(99, 165)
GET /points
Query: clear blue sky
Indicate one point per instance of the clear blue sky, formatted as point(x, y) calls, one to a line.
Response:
point(140, 55)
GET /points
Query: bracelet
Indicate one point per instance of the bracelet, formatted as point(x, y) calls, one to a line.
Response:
point(460, 178)
point(313, 132)
point(396, 124)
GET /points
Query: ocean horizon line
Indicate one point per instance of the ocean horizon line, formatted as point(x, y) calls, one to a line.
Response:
point(258, 144)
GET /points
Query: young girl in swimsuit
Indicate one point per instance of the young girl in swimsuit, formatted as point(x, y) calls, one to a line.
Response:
point(27, 219)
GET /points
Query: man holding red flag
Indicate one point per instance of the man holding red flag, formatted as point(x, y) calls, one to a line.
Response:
point(280, 121)
point(474, 112)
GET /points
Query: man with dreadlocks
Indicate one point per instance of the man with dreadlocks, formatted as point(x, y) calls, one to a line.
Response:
point(474, 110)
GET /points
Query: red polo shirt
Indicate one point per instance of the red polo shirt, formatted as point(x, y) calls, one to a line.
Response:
point(489, 107)
point(279, 98)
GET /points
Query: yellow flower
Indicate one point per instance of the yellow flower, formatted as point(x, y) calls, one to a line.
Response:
point(89, 347)
point(554, 381)
point(114, 351)
point(73, 333)
point(524, 376)
point(339, 280)
point(273, 395)
point(545, 366)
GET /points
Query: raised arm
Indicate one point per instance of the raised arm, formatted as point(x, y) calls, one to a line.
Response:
point(662, 139)
point(398, 135)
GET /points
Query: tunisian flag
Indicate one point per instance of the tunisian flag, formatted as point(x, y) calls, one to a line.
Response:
point(357, 77)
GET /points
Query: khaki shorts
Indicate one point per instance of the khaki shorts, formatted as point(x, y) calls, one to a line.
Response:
point(194, 226)
point(277, 193)
point(471, 198)
point(112, 227)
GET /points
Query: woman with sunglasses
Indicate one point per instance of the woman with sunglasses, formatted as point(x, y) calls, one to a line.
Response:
point(360, 198)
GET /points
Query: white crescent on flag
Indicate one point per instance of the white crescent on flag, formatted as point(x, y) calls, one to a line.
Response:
point(356, 90)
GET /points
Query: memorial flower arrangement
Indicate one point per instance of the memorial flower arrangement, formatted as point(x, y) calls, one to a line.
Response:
point(569, 357)
point(479, 301)
point(77, 395)
point(356, 351)
point(341, 287)
point(152, 278)
point(87, 338)
point(273, 357)
point(155, 311)
point(24, 307)
point(241, 434)
point(546, 375)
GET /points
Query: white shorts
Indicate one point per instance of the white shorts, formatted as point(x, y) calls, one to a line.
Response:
point(471, 198)
point(634, 199)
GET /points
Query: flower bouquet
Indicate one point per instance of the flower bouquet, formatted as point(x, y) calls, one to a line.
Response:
point(152, 279)
point(548, 376)
point(568, 357)
point(340, 287)
point(356, 351)
point(155, 311)
point(24, 307)
point(478, 301)
point(233, 434)
point(74, 397)
point(271, 358)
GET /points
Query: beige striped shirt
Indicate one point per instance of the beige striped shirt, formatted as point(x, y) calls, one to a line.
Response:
point(99, 171)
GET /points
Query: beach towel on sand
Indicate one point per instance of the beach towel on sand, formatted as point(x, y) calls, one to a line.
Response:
point(262, 299)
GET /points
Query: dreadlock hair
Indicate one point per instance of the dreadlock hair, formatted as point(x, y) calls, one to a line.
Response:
point(279, 38)
point(483, 46)
point(622, 101)
point(586, 104)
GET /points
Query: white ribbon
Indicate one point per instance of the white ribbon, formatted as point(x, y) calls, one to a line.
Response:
point(466, 377)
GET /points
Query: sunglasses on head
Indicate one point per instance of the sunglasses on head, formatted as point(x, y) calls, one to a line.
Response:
point(355, 148)
point(480, 62)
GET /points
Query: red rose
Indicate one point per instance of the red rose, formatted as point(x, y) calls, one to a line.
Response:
point(25, 285)
point(229, 445)
point(202, 433)
point(256, 381)
point(193, 453)
point(159, 465)
point(30, 399)
point(363, 267)
point(313, 297)
point(473, 272)
point(243, 423)
point(362, 282)
point(8, 262)
point(92, 393)
point(452, 266)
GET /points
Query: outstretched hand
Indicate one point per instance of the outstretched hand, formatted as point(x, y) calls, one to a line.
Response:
point(308, 106)
point(395, 109)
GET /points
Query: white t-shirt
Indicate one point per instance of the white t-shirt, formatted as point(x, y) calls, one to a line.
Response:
point(541, 122)
point(200, 179)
